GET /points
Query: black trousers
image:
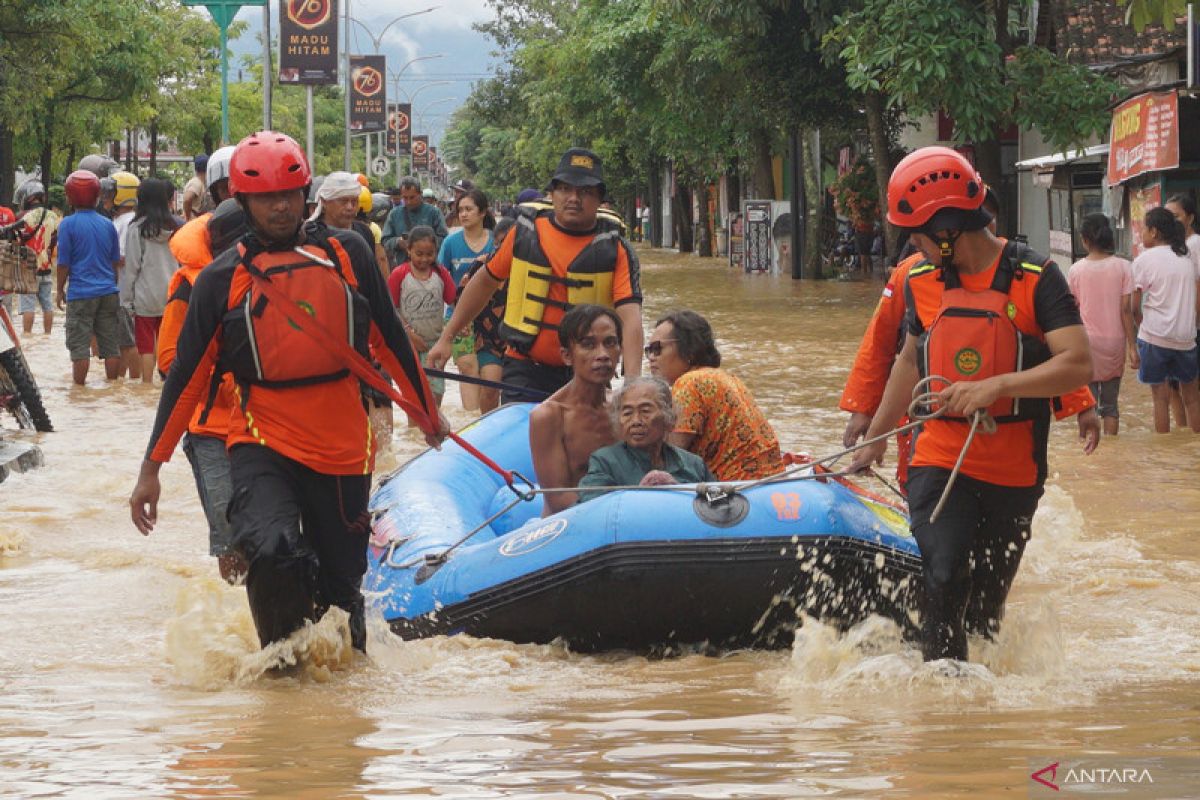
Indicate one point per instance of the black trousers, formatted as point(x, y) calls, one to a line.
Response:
point(969, 557)
point(304, 535)
point(531, 375)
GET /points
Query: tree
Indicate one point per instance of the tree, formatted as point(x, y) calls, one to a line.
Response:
point(963, 57)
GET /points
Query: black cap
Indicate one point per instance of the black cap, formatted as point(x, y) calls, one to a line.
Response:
point(579, 167)
point(463, 185)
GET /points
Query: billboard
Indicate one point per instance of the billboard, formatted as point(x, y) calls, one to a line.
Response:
point(368, 96)
point(399, 130)
point(420, 153)
point(308, 31)
point(1144, 136)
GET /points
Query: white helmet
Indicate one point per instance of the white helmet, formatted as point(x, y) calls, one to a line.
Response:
point(218, 165)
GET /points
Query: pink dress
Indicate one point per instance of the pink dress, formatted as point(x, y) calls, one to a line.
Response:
point(1100, 285)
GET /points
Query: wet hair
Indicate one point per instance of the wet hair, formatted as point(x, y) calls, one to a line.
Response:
point(1188, 205)
point(1170, 230)
point(153, 207)
point(693, 338)
point(420, 233)
point(662, 394)
point(409, 182)
point(1097, 233)
point(576, 322)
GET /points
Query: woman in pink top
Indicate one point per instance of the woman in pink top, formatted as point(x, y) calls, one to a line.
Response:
point(1103, 285)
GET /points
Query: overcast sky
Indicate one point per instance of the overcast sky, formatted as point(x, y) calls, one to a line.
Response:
point(466, 54)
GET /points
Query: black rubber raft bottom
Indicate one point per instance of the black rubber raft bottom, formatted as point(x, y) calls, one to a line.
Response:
point(663, 597)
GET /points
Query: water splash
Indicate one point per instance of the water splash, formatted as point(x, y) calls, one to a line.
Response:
point(212, 644)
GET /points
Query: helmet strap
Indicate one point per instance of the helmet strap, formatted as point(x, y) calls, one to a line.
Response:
point(946, 247)
point(261, 240)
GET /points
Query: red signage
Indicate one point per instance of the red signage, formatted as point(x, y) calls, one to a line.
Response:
point(1144, 136)
point(367, 95)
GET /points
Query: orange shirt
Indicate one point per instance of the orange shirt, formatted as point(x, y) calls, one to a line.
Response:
point(324, 425)
point(190, 246)
point(879, 346)
point(561, 247)
point(732, 434)
point(1010, 456)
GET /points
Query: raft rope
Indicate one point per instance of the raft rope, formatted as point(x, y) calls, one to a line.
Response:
point(524, 391)
point(917, 411)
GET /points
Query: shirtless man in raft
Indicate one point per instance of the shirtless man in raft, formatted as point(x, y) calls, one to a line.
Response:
point(574, 422)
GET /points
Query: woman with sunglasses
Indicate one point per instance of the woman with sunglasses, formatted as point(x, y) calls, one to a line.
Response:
point(718, 419)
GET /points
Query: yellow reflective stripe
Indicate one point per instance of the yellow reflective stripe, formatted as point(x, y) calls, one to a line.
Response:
point(1031, 267)
point(921, 269)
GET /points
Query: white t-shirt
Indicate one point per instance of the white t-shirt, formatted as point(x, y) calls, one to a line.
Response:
point(1100, 285)
point(1168, 284)
point(1193, 243)
point(121, 223)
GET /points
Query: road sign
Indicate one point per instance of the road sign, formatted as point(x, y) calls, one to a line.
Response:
point(381, 166)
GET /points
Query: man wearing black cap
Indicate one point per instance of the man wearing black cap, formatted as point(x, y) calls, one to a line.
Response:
point(556, 258)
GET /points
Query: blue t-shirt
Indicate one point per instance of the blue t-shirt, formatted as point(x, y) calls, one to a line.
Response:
point(87, 244)
point(457, 256)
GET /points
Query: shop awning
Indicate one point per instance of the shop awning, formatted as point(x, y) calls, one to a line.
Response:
point(1096, 152)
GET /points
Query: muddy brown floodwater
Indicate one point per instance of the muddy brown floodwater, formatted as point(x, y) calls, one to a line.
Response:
point(128, 670)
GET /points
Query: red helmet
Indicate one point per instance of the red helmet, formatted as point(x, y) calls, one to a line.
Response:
point(83, 189)
point(6, 216)
point(933, 180)
point(267, 162)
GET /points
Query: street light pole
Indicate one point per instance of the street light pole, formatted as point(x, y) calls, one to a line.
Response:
point(376, 41)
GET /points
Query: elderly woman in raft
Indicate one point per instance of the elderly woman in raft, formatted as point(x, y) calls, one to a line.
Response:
point(718, 419)
point(644, 414)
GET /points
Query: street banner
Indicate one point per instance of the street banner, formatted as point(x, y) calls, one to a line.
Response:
point(308, 35)
point(367, 95)
point(433, 161)
point(1144, 136)
point(420, 153)
point(399, 131)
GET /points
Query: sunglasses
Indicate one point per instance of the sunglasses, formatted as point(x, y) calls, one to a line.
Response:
point(655, 348)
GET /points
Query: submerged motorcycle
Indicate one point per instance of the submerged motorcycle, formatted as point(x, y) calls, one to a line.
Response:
point(19, 394)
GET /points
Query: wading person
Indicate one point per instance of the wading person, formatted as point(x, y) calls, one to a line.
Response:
point(489, 346)
point(574, 422)
point(40, 233)
point(193, 246)
point(300, 449)
point(88, 255)
point(461, 249)
point(644, 413)
point(1165, 281)
point(149, 266)
point(974, 283)
point(1103, 285)
point(553, 260)
point(412, 212)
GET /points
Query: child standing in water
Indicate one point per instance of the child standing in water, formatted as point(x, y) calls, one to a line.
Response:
point(1103, 285)
point(420, 289)
point(1165, 282)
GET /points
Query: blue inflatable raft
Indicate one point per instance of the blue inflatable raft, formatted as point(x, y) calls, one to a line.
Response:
point(630, 570)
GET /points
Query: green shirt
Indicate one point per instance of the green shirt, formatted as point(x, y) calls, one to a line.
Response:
point(622, 465)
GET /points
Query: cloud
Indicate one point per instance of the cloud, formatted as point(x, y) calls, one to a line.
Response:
point(450, 15)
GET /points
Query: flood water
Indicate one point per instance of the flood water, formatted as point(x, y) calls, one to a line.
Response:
point(128, 670)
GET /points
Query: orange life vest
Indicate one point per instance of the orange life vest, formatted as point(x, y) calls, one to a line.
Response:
point(262, 347)
point(974, 335)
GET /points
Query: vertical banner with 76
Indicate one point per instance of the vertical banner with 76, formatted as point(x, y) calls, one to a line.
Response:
point(308, 41)
point(368, 98)
point(399, 130)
